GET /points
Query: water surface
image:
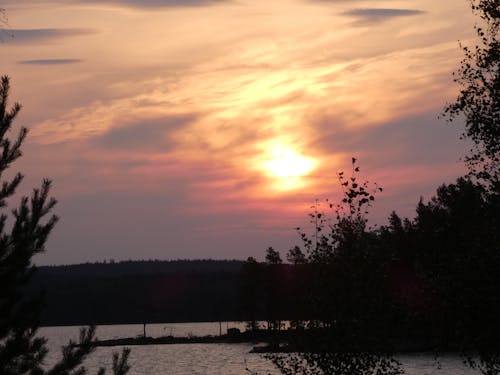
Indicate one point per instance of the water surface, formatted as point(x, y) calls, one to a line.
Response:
point(209, 359)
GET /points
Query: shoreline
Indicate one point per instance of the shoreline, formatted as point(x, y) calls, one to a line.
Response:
point(169, 340)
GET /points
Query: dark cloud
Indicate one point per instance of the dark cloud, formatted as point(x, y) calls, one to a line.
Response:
point(150, 135)
point(26, 36)
point(367, 16)
point(50, 61)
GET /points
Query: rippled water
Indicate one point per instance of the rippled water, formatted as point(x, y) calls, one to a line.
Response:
point(209, 359)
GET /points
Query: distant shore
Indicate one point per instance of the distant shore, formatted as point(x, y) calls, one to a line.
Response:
point(128, 341)
point(262, 341)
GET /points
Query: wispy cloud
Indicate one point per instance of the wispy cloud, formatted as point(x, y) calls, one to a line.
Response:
point(366, 16)
point(26, 36)
point(50, 61)
point(397, 143)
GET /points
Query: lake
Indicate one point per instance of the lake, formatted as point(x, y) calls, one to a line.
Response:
point(208, 359)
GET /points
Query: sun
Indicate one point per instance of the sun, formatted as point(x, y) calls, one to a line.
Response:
point(288, 166)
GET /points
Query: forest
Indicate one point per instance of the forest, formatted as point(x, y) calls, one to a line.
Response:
point(138, 292)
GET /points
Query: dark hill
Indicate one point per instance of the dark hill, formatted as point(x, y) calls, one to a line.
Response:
point(139, 291)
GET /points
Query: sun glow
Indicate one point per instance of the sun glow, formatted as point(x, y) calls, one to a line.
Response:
point(288, 166)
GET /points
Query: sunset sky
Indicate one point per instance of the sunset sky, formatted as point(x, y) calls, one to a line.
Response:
point(208, 128)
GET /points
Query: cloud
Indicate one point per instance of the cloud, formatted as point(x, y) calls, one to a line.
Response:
point(150, 135)
point(399, 143)
point(26, 36)
point(367, 16)
point(50, 61)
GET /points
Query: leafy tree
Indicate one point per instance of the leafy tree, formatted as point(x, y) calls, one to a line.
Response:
point(21, 350)
point(431, 283)
point(479, 98)
point(343, 335)
point(476, 241)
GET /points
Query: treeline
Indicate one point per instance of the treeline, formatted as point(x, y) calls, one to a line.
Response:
point(135, 267)
point(139, 291)
point(165, 291)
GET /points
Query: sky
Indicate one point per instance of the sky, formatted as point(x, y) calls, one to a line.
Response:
point(188, 129)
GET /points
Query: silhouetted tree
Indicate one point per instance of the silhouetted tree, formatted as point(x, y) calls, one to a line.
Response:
point(296, 256)
point(21, 351)
point(479, 98)
point(343, 335)
point(459, 235)
point(479, 102)
point(273, 256)
point(431, 283)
